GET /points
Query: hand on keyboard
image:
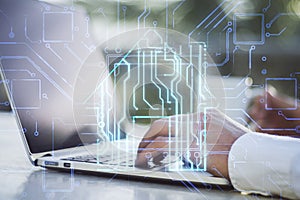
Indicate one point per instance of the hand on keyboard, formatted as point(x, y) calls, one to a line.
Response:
point(220, 133)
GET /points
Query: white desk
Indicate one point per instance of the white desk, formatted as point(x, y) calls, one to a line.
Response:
point(20, 180)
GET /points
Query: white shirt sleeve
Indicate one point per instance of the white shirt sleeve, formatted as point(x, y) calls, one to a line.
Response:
point(266, 164)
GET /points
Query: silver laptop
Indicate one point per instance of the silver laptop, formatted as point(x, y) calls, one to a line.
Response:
point(91, 117)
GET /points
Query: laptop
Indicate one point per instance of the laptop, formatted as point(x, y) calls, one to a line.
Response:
point(92, 118)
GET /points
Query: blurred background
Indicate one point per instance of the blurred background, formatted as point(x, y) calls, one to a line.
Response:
point(5, 106)
point(252, 39)
point(257, 39)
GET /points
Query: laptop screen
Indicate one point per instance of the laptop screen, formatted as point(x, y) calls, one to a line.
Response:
point(41, 50)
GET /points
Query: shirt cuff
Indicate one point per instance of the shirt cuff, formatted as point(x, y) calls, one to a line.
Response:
point(263, 164)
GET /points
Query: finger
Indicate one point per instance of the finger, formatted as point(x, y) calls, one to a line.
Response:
point(167, 125)
point(158, 128)
point(180, 124)
point(254, 109)
point(157, 160)
point(153, 151)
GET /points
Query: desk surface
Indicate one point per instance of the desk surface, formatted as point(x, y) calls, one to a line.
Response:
point(20, 180)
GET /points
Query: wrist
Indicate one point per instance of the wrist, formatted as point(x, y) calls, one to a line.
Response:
point(217, 165)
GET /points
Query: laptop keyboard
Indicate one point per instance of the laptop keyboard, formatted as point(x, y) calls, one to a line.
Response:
point(120, 160)
point(104, 159)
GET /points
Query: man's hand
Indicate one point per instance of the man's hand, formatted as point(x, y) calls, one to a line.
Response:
point(279, 119)
point(221, 132)
point(164, 134)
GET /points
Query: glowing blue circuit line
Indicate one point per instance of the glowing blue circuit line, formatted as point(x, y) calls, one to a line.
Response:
point(20, 70)
point(73, 53)
point(237, 85)
point(237, 110)
point(110, 109)
point(143, 13)
point(172, 94)
point(41, 72)
point(157, 79)
point(267, 7)
point(100, 10)
point(205, 19)
point(58, 40)
point(102, 112)
point(5, 103)
point(267, 129)
point(149, 117)
point(167, 21)
point(200, 68)
point(284, 181)
point(178, 77)
point(190, 86)
point(271, 181)
point(236, 48)
point(268, 25)
point(115, 100)
point(36, 132)
point(176, 121)
point(152, 81)
point(204, 137)
point(278, 34)
point(41, 58)
point(242, 120)
point(227, 26)
point(144, 80)
point(186, 186)
point(187, 131)
point(227, 57)
point(91, 48)
point(187, 69)
point(226, 15)
point(175, 9)
point(149, 11)
point(158, 35)
point(52, 138)
point(46, 6)
point(8, 43)
point(118, 16)
point(49, 47)
point(87, 34)
point(237, 95)
point(117, 65)
point(252, 48)
point(190, 183)
point(26, 34)
point(138, 83)
point(288, 118)
point(192, 91)
point(277, 129)
point(124, 83)
point(124, 20)
point(223, 10)
point(9, 24)
point(171, 60)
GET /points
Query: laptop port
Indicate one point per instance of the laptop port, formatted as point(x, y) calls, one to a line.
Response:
point(51, 163)
point(67, 165)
